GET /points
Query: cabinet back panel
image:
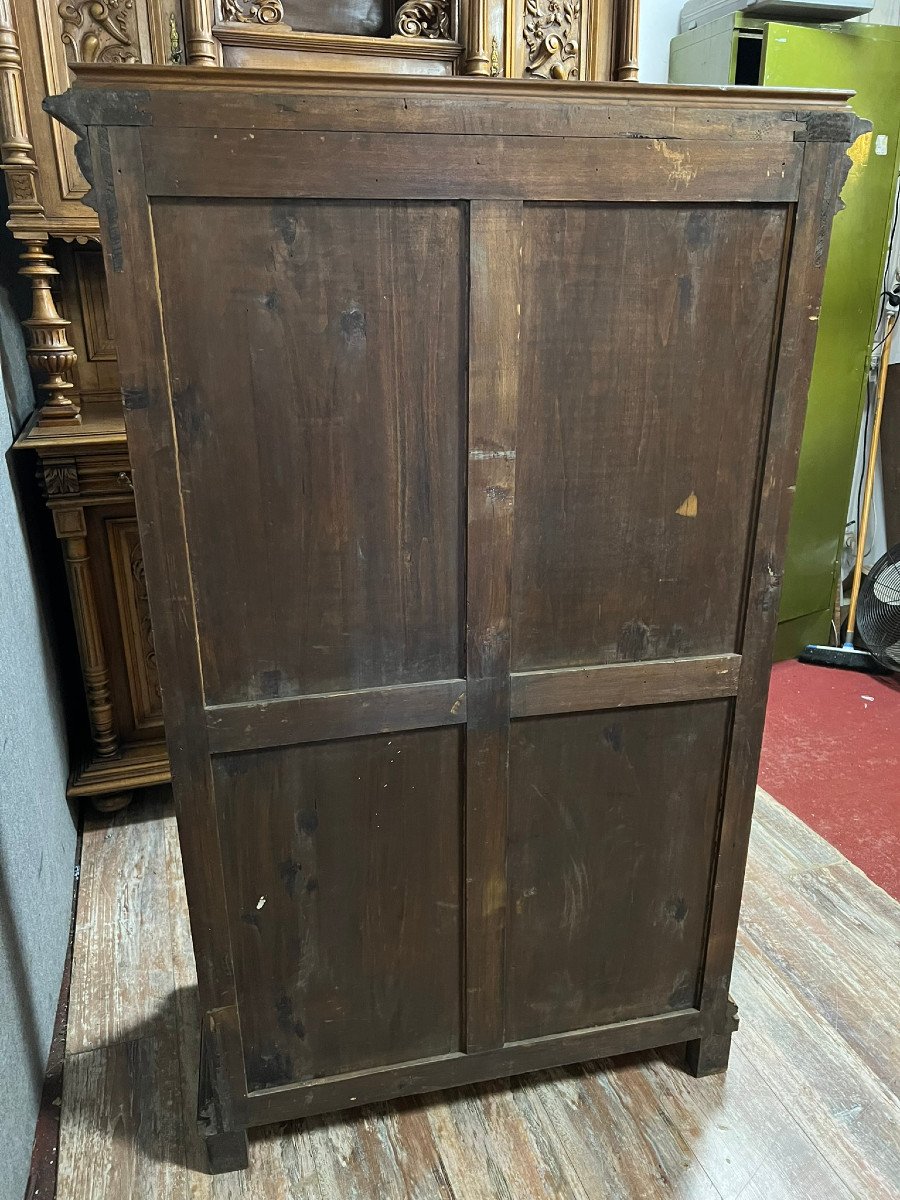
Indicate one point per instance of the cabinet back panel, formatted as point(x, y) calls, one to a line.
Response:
point(342, 875)
point(318, 384)
point(612, 819)
point(646, 343)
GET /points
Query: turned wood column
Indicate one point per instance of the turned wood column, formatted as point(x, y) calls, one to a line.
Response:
point(199, 41)
point(626, 43)
point(72, 532)
point(477, 60)
point(50, 356)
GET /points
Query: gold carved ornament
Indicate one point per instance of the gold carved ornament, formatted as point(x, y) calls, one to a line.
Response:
point(423, 18)
point(175, 54)
point(551, 33)
point(263, 12)
point(99, 30)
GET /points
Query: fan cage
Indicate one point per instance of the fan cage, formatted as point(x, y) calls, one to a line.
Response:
point(878, 612)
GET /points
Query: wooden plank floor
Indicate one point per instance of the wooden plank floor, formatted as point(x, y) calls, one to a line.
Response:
point(807, 1109)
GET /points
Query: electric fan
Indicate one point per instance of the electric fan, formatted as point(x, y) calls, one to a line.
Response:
point(878, 610)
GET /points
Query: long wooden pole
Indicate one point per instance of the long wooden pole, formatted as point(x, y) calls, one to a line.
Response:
point(870, 484)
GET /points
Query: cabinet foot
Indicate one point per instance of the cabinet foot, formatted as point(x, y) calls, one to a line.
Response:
point(227, 1152)
point(709, 1055)
point(111, 803)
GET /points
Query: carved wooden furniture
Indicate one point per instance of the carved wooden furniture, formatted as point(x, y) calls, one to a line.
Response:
point(469, 687)
point(79, 432)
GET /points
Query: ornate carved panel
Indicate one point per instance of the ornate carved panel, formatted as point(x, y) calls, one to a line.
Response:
point(423, 18)
point(134, 612)
point(552, 33)
point(265, 12)
point(61, 478)
point(100, 30)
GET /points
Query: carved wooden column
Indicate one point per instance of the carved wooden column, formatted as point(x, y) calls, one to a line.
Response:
point(200, 43)
point(60, 481)
point(626, 44)
point(478, 59)
point(16, 151)
point(49, 354)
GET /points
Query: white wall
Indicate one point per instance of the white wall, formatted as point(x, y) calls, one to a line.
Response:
point(659, 24)
point(37, 832)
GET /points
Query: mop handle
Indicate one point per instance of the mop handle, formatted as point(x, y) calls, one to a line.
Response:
point(870, 484)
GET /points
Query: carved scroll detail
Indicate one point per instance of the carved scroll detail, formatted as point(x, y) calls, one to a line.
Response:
point(263, 12)
point(102, 31)
point(551, 32)
point(423, 18)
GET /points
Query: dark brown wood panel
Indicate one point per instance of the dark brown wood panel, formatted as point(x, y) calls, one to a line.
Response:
point(495, 257)
point(193, 162)
point(825, 166)
point(352, 419)
point(336, 715)
point(612, 820)
point(343, 878)
point(318, 382)
point(646, 335)
point(624, 685)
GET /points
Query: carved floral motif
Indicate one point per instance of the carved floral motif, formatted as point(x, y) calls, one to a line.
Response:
point(143, 608)
point(264, 12)
point(100, 31)
point(551, 33)
point(423, 18)
point(61, 479)
point(20, 185)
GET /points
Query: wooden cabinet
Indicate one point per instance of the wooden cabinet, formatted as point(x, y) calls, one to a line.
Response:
point(79, 430)
point(467, 687)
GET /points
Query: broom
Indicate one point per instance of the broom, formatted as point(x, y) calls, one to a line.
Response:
point(848, 656)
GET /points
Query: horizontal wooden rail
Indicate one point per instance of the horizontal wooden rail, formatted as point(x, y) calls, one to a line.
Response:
point(624, 685)
point(321, 717)
point(292, 164)
point(454, 1070)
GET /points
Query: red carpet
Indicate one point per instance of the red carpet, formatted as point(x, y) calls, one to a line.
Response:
point(831, 754)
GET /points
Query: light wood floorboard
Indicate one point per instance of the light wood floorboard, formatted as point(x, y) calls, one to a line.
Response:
point(807, 1111)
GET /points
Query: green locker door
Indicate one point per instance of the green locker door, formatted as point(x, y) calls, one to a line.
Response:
point(866, 59)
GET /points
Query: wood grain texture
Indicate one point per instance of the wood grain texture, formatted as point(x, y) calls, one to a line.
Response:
point(800, 1114)
point(125, 888)
point(347, 948)
point(449, 404)
point(495, 256)
point(588, 794)
point(584, 501)
point(624, 685)
point(353, 488)
point(438, 166)
point(336, 715)
point(788, 370)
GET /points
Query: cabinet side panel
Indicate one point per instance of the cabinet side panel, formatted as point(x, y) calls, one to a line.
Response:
point(612, 821)
point(646, 334)
point(342, 868)
point(316, 352)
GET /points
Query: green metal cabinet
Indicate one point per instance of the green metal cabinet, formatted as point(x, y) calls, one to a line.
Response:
point(866, 59)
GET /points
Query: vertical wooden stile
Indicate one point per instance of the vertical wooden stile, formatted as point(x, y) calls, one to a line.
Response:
point(495, 267)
